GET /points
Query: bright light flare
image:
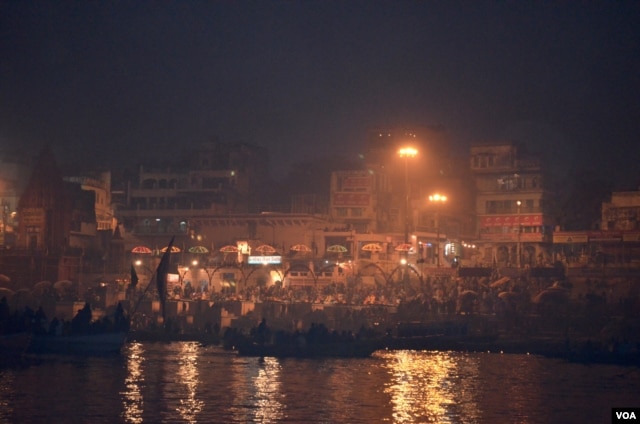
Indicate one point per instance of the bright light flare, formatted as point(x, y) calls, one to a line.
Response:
point(408, 152)
point(438, 198)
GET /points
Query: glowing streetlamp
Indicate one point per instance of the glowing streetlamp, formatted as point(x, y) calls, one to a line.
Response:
point(407, 153)
point(437, 199)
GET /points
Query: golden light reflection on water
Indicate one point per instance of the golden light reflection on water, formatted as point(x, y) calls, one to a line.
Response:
point(267, 387)
point(432, 387)
point(132, 396)
point(188, 375)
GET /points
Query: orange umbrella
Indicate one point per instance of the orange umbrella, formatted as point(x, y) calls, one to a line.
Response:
point(372, 247)
point(265, 249)
point(300, 248)
point(143, 250)
point(229, 249)
point(404, 247)
point(174, 249)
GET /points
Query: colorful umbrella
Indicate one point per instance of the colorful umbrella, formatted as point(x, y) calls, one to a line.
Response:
point(229, 249)
point(174, 249)
point(372, 247)
point(265, 249)
point(404, 247)
point(337, 248)
point(143, 250)
point(300, 248)
point(200, 250)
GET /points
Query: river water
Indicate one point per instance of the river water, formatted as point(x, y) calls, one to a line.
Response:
point(188, 383)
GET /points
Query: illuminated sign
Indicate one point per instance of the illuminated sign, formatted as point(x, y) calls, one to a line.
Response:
point(265, 260)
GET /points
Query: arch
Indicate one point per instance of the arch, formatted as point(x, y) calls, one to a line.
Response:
point(262, 268)
point(300, 266)
point(374, 265)
point(211, 273)
point(411, 269)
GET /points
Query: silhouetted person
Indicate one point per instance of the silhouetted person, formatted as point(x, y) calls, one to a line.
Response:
point(80, 323)
point(39, 320)
point(120, 321)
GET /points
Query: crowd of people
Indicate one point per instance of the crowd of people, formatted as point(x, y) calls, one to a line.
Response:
point(521, 304)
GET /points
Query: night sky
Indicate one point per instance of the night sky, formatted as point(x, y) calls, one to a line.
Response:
point(129, 80)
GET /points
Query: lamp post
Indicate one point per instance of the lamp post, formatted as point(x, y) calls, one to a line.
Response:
point(407, 153)
point(437, 199)
point(518, 260)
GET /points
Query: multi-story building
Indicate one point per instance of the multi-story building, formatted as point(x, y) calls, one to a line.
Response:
point(511, 204)
point(100, 184)
point(391, 197)
point(216, 179)
point(622, 212)
point(15, 167)
point(360, 201)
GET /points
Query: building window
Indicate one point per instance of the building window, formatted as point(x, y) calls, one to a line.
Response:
point(356, 212)
point(341, 212)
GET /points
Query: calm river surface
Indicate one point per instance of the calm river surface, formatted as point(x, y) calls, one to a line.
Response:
point(187, 383)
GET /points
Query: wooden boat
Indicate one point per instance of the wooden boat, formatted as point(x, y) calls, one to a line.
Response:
point(91, 344)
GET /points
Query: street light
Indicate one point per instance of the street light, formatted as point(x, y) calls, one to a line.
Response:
point(407, 153)
point(519, 204)
point(437, 199)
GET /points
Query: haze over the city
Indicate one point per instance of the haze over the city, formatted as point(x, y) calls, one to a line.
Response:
point(128, 81)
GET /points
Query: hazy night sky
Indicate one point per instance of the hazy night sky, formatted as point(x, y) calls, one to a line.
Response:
point(121, 80)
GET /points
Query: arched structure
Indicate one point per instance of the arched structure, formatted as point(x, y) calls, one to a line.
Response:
point(268, 268)
point(410, 268)
point(298, 266)
point(372, 265)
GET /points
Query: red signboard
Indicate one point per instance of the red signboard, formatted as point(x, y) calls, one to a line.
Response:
point(355, 182)
point(510, 220)
point(513, 237)
point(351, 199)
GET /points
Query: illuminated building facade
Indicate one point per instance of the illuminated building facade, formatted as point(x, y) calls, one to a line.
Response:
point(511, 205)
point(216, 179)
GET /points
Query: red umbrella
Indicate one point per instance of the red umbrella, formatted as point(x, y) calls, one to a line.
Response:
point(174, 249)
point(229, 249)
point(372, 247)
point(265, 249)
point(142, 250)
point(404, 247)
